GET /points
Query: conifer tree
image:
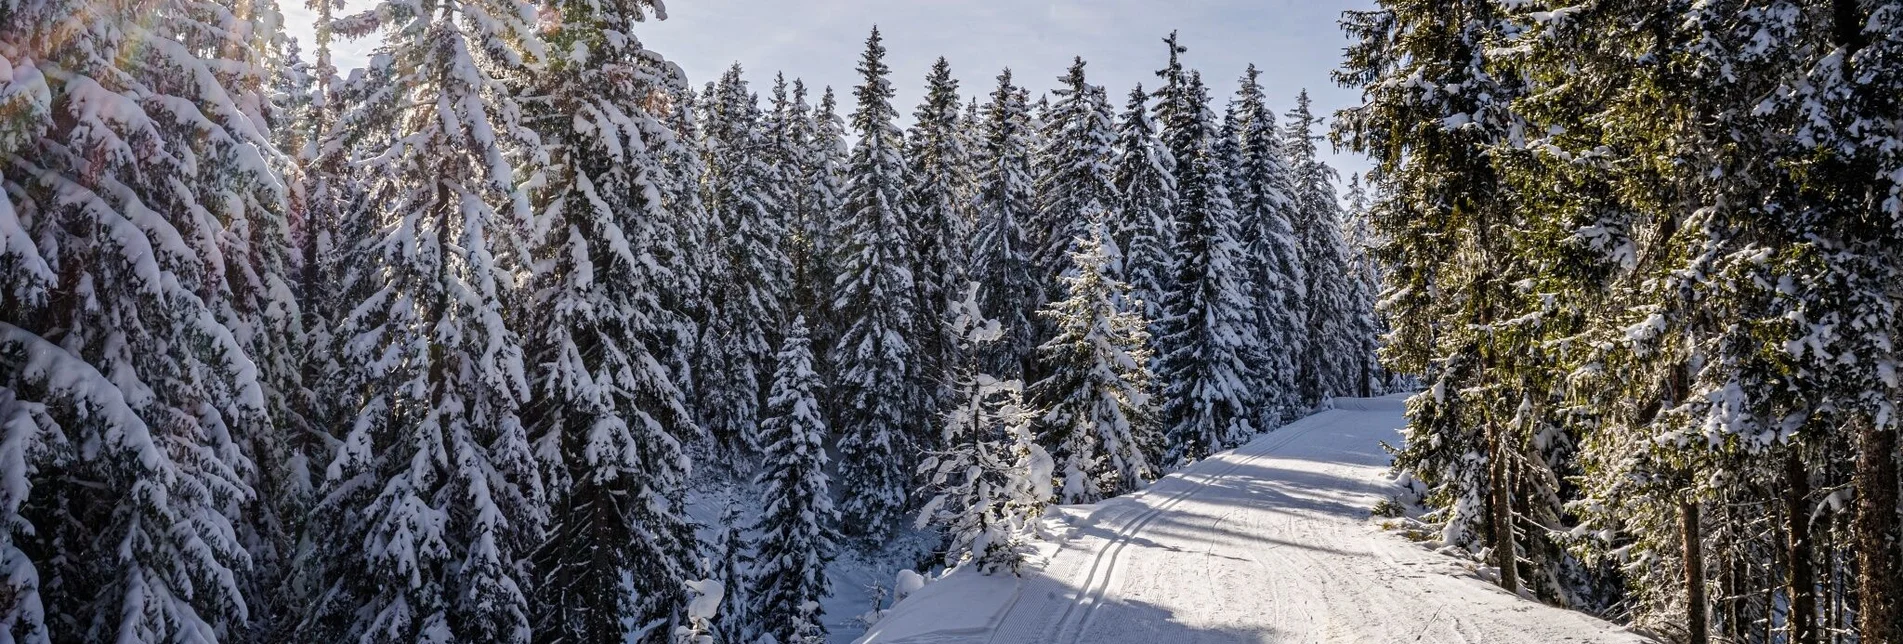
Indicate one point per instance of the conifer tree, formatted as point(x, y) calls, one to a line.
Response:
point(732, 554)
point(991, 481)
point(1260, 186)
point(1445, 181)
point(1141, 225)
point(145, 307)
point(878, 390)
point(1001, 253)
point(1095, 402)
point(1076, 183)
point(749, 274)
point(608, 417)
point(1364, 286)
point(1203, 364)
point(818, 212)
point(797, 525)
point(433, 500)
point(1321, 370)
point(935, 162)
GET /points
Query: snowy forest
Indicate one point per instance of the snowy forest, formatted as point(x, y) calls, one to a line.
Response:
point(1647, 259)
point(517, 334)
point(453, 347)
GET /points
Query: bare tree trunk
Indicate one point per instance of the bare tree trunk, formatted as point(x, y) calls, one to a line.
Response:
point(1800, 576)
point(1505, 551)
point(1697, 627)
point(1879, 578)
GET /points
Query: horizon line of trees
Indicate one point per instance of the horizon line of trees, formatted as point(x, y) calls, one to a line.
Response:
point(431, 351)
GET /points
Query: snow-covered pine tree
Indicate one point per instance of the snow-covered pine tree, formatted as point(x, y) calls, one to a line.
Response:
point(819, 212)
point(991, 481)
point(1001, 253)
point(936, 162)
point(433, 500)
point(1096, 417)
point(731, 556)
point(142, 235)
point(796, 527)
point(1322, 369)
point(878, 391)
point(750, 275)
point(608, 419)
point(1203, 363)
point(1364, 286)
point(1075, 184)
point(683, 234)
point(1260, 183)
point(1145, 183)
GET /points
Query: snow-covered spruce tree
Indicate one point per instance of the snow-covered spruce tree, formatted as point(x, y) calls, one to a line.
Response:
point(683, 233)
point(1260, 183)
point(1364, 286)
point(817, 211)
point(1444, 288)
point(936, 163)
point(991, 481)
point(607, 418)
point(1145, 181)
point(1322, 366)
point(433, 501)
point(1000, 253)
point(750, 273)
point(796, 527)
point(1203, 362)
point(1075, 185)
point(1096, 420)
point(878, 392)
point(141, 277)
point(732, 553)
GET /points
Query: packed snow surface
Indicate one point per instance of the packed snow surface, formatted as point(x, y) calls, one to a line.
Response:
point(1271, 542)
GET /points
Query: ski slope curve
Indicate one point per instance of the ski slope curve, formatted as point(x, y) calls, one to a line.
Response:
point(1270, 542)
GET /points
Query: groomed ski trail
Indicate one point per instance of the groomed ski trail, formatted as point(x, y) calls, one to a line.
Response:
point(1270, 542)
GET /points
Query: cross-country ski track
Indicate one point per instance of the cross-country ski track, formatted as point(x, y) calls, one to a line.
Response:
point(1270, 542)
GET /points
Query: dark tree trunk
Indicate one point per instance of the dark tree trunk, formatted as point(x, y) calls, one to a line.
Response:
point(1695, 623)
point(1505, 552)
point(1800, 576)
point(1879, 579)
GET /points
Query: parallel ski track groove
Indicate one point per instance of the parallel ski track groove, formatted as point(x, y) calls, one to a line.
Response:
point(1096, 586)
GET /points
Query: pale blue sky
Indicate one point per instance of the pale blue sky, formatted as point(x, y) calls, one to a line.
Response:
point(1295, 43)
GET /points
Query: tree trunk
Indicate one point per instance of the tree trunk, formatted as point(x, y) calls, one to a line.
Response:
point(1800, 577)
point(1697, 628)
point(1879, 579)
point(1505, 552)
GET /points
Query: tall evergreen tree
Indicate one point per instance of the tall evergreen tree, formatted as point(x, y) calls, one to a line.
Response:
point(936, 162)
point(749, 275)
point(1364, 287)
point(818, 213)
point(877, 383)
point(798, 522)
point(1001, 254)
point(1095, 402)
point(1203, 362)
point(1260, 186)
point(1145, 183)
point(433, 501)
point(145, 316)
point(608, 417)
point(1076, 184)
point(1322, 368)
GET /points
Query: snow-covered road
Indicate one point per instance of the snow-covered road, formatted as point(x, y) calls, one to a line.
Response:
point(1271, 542)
